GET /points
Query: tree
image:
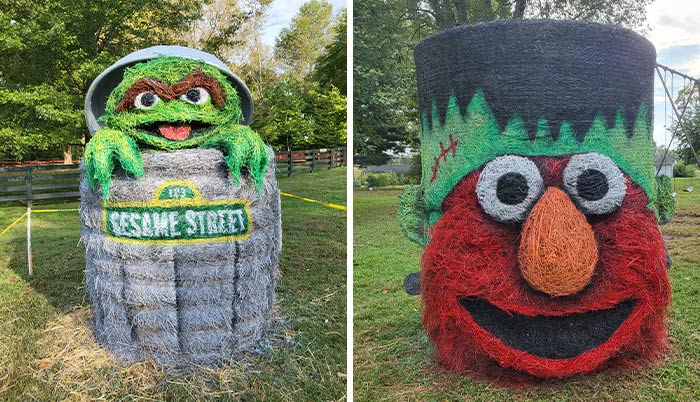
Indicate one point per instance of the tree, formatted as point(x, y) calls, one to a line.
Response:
point(299, 46)
point(281, 120)
point(385, 102)
point(331, 67)
point(448, 13)
point(51, 51)
point(329, 110)
point(691, 124)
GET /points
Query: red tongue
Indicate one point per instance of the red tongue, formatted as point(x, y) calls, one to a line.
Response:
point(175, 132)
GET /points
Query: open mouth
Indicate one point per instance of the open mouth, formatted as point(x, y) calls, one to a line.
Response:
point(560, 337)
point(177, 131)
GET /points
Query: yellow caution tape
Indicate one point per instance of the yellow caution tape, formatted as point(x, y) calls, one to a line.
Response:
point(7, 229)
point(24, 215)
point(329, 205)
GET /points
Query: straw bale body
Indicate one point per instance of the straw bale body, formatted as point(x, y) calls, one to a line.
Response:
point(201, 301)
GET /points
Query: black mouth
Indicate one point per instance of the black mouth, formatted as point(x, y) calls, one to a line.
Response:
point(196, 127)
point(549, 337)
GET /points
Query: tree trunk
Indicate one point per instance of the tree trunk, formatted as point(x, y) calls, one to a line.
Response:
point(519, 8)
point(67, 155)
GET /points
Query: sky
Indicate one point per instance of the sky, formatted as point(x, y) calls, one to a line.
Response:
point(281, 13)
point(675, 32)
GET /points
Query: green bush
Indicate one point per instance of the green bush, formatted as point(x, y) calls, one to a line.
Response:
point(380, 179)
point(680, 169)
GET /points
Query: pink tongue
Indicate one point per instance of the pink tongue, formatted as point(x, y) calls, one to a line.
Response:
point(175, 132)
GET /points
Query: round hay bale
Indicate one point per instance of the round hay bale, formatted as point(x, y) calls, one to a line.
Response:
point(181, 264)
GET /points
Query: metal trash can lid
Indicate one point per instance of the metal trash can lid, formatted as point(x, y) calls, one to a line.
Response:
point(103, 85)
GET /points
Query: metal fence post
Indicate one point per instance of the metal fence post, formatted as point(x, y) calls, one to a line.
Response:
point(289, 168)
point(313, 159)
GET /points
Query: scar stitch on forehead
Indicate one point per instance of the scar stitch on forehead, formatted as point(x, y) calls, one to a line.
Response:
point(167, 92)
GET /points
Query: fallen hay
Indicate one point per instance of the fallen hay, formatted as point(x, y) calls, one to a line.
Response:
point(75, 362)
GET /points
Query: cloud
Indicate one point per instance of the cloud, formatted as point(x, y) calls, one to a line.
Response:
point(674, 23)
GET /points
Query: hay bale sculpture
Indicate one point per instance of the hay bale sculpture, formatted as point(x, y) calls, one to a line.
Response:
point(538, 202)
point(180, 211)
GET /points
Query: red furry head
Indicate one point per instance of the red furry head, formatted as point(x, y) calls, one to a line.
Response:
point(550, 266)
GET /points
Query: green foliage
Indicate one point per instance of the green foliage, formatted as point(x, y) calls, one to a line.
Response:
point(300, 45)
point(691, 124)
point(447, 13)
point(331, 67)
point(665, 202)
point(385, 102)
point(52, 50)
point(295, 118)
point(681, 169)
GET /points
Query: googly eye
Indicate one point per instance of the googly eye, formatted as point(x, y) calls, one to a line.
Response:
point(195, 96)
point(508, 186)
point(146, 100)
point(595, 183)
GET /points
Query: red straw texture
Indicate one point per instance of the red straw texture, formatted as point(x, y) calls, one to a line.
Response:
point(472, 257)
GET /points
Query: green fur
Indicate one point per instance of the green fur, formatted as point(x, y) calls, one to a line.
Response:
point(119, 137)
point(102, 151)
point(480, 139)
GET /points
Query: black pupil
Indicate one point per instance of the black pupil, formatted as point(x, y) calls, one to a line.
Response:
point(148, 99)
point(592, 185)
point(512, 188)
point(193, 95)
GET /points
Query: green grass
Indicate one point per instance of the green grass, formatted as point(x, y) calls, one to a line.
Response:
point(394, 360)
point(308, 356)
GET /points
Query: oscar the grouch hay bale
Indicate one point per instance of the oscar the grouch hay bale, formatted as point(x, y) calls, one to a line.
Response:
point(181, 264)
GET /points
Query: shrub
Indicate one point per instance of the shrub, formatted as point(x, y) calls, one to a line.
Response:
point(680, 169)
point(380, 179)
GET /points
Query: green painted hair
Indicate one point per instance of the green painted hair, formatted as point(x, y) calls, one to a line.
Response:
point(477, 138)
point(171, 70)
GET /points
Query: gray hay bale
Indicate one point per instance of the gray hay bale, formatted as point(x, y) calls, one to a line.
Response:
point(181, 302)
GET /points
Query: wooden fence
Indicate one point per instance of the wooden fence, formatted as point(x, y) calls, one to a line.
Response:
point(40, 182)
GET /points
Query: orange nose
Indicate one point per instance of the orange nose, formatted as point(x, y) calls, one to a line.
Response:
point(558, 251)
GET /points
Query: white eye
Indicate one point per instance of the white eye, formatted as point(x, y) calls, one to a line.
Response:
point(146, 100)
point(508, 186)
point(195, 96)
point(595, 183)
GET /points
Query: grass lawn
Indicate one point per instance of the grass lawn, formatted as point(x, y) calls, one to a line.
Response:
point(394, 360)
point(47, 351)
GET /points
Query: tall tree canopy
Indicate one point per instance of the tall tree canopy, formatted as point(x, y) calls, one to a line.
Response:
point(50, 50)
point(299, 46)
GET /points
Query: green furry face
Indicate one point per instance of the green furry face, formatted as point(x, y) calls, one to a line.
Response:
point(172, 103)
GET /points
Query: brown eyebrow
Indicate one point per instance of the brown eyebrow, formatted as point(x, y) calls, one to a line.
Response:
point(199, 79)
point(167, 92)
point(161, 89)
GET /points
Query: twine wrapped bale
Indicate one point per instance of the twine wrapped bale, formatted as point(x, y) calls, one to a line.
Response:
point(183, 302)
point(538, 203)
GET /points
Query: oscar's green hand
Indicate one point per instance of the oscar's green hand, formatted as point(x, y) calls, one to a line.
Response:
point(172, 103)
point(241, 147)
point(100, 153)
